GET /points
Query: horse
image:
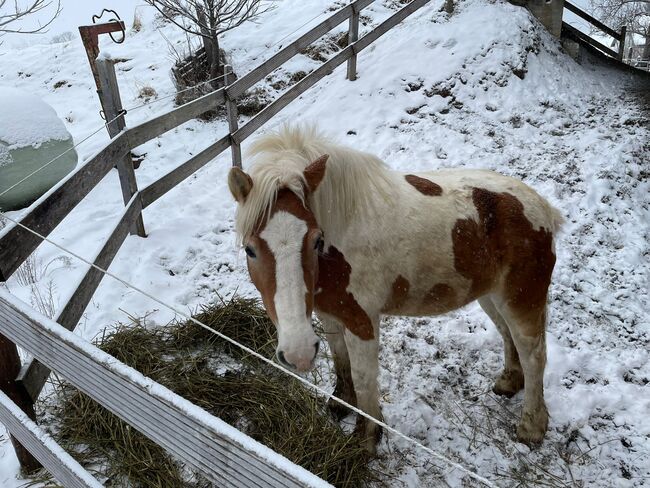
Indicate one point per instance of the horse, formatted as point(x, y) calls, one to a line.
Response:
point(333, 230)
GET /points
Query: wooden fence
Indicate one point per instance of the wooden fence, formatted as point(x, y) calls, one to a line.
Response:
point(572, 32)
point(194, 438)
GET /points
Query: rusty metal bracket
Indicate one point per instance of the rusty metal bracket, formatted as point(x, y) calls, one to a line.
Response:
point(90, 38)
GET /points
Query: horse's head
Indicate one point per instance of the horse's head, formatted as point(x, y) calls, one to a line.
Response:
point(282, 254)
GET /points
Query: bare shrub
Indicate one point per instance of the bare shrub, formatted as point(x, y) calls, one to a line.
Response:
point(147, 93)
point(137, 21)
point(42, 298)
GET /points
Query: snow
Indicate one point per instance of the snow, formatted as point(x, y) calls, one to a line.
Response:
point(27, 120)
point(486, 87)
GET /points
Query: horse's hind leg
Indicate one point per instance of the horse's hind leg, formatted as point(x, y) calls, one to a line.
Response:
point(512, 377)
point(529, 336)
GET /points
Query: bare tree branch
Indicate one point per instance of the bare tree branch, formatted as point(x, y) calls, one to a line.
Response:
point(209, 19)
point(10, 15)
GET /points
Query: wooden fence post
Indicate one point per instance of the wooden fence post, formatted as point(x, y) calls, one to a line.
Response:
point(109, 94)
point(231, 109)
point(621, 43)
point(9, 369)
point(353, 36)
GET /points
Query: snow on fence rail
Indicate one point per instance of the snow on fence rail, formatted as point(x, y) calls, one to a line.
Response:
point(208, 444)
point(53, 349)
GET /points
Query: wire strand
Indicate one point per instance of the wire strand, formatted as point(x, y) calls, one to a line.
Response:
point(302, 380)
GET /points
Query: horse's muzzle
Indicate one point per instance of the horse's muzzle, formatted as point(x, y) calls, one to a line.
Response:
point(298, 362)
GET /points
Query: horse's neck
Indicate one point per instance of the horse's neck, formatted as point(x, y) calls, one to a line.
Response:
point(372, 211)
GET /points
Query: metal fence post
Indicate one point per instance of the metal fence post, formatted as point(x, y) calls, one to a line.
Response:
point(621, 43)
point(231, 109)
point(353, 36)
point(109, 94)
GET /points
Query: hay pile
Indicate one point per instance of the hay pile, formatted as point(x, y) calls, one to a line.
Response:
point(270, 407)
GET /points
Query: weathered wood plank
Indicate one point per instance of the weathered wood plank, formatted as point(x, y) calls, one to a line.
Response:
point(388, 24)
point(621, 44)
point(323, 70)
point(353, 36)
point(161, 186)
point(578, 35)
point(16, 244)
point(109, 92)
point(9, 368)
point(152, 128)
point(297, 46)
point(291, 94)
point(592, 20)
point(34, 374)
point(233, 122)
point(220, 452)
point(58, 462)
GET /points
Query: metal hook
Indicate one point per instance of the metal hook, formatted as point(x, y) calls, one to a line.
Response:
point(118, 19)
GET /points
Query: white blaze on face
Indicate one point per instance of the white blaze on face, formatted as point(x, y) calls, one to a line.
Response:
point(284, 234)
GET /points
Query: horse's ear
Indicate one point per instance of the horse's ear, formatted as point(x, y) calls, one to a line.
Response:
point(314, 173)
point(240, 184)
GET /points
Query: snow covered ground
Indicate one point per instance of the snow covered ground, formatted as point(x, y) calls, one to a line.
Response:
point(486, 87)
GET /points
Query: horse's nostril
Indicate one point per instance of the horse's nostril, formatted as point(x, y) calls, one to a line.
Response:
point(280, 355)
point(282, 360)
point(317, 347)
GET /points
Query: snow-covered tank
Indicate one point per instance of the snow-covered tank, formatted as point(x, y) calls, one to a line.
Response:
point(31, 135)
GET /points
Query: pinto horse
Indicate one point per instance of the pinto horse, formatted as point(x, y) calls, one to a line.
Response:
point(330, 229)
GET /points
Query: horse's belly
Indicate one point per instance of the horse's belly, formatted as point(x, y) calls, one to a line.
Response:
point(416, 301)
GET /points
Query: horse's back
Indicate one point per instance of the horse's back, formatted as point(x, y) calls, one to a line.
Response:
point(470, 185)
point(470, 233)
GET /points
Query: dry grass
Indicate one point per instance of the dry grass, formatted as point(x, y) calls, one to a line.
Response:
point(147, 92)
point(267, 405)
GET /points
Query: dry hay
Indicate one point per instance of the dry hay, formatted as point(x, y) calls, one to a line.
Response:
point(271, 407)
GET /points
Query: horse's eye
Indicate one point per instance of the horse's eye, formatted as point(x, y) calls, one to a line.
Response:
point(319, 244)
point(250, 252)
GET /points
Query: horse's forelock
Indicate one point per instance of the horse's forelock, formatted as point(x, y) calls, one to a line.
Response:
point(268, 180)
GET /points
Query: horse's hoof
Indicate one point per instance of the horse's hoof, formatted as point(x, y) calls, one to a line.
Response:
point(531, 431)
point(338, 411)
point(509, 383)
point(370, 435)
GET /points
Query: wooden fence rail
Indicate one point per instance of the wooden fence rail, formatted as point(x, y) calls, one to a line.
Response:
point(570, 31)
point(58, 462)
point(218, 451)
point(206, 445)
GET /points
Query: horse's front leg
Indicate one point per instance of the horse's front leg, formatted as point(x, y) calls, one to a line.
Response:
point(343, 389)
point(364, 365)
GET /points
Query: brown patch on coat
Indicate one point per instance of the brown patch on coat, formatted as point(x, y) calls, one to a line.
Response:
point(441, 298)
point(398, 295)
point(333, 299)
point(262, 273)
point(503, 247)
point(424, 186)
point(263, 269)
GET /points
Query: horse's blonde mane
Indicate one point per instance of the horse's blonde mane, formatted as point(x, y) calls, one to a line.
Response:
point(352, 178)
